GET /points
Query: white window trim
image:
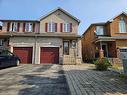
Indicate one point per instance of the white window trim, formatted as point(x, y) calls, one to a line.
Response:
point(14, 27)
point(122, 26)
point(30, 27)
point(51, 27)
point(66, 27)
point(99, 31)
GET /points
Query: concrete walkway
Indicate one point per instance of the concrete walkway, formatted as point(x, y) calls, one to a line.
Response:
point(33, 80)
point(83, 80)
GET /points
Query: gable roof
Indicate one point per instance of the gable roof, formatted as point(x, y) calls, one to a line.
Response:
point(103, 23)
point(51, 12)
point(117, 16)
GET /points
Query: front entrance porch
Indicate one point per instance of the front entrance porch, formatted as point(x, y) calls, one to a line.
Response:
point(106, 49)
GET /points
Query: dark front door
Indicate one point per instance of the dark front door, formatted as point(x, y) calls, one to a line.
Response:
point(105, 49)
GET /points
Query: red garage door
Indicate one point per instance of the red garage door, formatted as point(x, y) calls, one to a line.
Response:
point(24, 53)
point(49, 55)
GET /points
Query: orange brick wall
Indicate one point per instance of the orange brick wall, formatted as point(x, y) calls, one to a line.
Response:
point(114, 26)
point(88, 48)
point(121, 43)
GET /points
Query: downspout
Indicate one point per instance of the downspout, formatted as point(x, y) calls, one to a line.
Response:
point(76, 55)
point(100, 45)
point(101, 52)
point(35, 49)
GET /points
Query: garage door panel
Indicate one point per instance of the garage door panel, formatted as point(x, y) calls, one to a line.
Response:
point(49, 55)
point(24, 53)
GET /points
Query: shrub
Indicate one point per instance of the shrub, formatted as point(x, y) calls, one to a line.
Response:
point(102, 64)
point(4, 52)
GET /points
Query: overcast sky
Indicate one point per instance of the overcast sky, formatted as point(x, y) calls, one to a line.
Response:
point(88, 11)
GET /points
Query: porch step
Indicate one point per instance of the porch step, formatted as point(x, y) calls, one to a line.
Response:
point(115, 61)
point(69, 60)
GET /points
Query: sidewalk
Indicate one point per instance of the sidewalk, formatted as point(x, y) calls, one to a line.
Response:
point(83, 80)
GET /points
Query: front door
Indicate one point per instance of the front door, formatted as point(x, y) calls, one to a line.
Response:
point(105, 49)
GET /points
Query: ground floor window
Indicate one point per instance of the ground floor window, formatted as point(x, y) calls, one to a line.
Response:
point(66, 47)
point(1, 42)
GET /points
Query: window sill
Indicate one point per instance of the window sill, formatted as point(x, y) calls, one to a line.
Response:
point(66, 32)
point(51, 32)
point(24, 32)
point(120, 33)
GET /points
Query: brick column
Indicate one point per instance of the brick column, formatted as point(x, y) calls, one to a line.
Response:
point(101, 51)
point(79, 52)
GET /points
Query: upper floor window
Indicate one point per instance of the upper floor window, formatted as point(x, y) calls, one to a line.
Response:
point(67, 27)
point(122, 26)
point(13, 26)
point(28, 27)
point(0, 27)
point(1, 24)
point(52, 27)
point(99, 30)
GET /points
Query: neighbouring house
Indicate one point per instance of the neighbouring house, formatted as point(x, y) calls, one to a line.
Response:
point(52, 38)
point(108, 39)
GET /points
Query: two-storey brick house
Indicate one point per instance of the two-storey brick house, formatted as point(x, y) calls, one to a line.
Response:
point(109, 37)
point(50, 39)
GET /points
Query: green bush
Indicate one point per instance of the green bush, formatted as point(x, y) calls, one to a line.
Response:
point(4, 52)
point(102, 64)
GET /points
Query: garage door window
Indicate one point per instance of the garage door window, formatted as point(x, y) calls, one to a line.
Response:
point(66, 47)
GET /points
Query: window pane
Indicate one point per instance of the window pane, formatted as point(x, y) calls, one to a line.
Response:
point(28, 27)
point(13, 26)
point(100, 30)
point(51, 27)
point(66, 47)
point(66, 27)
point(1, 23)
point(122, 26)
point(1, 42)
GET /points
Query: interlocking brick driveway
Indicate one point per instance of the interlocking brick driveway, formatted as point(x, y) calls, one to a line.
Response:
point(33, 80)
point(50, 80)
point(83, 80)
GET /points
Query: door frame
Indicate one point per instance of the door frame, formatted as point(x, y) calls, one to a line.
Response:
point(106, 45)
